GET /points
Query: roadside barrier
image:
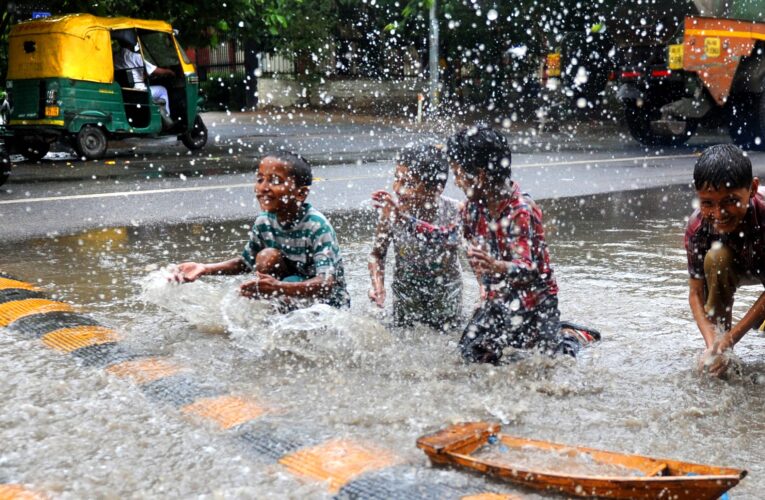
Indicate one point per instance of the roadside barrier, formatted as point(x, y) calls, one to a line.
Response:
point(350, 468)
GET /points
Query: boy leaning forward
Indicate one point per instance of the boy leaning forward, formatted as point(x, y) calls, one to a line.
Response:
point(725, 245)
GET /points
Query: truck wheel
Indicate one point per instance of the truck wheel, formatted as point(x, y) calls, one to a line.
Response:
point(746, 120)
point(639, 120)
point(5, 166)
point(196, 138)
point(90, 142)
point(32, 147)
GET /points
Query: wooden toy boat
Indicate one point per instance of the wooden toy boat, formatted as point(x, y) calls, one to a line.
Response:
point(574, 470)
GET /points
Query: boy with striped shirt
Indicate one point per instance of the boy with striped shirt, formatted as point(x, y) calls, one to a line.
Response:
point(292, 247)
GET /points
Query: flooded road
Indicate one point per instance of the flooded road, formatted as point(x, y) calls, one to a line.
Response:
point(76, 432)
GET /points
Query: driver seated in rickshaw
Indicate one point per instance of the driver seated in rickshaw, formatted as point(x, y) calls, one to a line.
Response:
point(128, 57)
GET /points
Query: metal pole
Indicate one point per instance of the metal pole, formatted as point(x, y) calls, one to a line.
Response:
point(433, 55)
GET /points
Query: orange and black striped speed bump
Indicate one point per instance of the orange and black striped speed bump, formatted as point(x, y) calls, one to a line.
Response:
point(18, 492)
point(349, 468)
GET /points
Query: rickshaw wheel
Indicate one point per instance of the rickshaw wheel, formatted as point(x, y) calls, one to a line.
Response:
point(33, 147)
point(196, 138)
point(90, 142)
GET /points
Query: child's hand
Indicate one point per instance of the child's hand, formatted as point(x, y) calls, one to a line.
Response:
point(263, 286)
point(384, 201)
point(377, 295)
point(715, 360)
point(188, 272)
point(484, 263)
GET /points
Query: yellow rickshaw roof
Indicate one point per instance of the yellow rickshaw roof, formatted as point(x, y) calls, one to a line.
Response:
point(75, 46)
point(80, 24)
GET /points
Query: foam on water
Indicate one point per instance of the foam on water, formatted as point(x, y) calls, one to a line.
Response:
point(313, 332)
point(198, 302)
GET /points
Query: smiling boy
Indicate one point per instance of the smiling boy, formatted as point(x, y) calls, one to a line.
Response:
point(292, 247)
point(725, 245)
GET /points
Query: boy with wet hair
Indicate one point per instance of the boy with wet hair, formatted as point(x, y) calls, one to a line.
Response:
point(725, 245)
point(423, 226)
point(292, 247)
point(508, 254)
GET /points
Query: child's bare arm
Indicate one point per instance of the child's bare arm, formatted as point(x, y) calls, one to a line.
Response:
point(266, 286)
point(750, 319)
point(190, 271)
point(376, 263)
point(696, 301)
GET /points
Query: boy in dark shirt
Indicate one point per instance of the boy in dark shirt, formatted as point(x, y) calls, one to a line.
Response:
point(725, 245)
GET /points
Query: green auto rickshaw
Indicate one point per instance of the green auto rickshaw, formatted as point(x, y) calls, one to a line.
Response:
point(67, 81)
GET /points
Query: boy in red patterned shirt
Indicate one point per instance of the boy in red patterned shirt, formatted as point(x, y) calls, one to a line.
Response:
point(508, 254)
point(725, 244)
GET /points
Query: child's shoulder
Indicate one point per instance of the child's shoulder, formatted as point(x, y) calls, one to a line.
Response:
point(312, 214)
point(315, 220)
point(264, 218)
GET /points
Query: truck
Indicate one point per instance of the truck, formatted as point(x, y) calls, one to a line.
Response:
point(686, 64)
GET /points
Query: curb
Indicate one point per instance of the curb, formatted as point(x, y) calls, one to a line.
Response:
point(49, 170)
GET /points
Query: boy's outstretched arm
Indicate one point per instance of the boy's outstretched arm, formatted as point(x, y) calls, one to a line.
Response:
point(266, 286)
point(187, 272)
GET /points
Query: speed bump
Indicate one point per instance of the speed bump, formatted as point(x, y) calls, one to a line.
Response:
point(13, 294)
point(71, 339)
point(226, 411)
point(39, 324)
point(350, 469)
point(14, 310)
point(143, 371)
point(338, 461)
point(18, 492)
point(6, 282)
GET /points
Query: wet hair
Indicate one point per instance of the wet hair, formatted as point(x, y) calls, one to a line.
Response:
point(426, 163)
point(723, 166)
point(481, 148)
point(299, 166)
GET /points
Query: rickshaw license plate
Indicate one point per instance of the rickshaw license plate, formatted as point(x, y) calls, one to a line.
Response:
point(52, 111)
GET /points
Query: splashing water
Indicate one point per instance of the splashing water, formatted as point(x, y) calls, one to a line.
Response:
point(313, 332)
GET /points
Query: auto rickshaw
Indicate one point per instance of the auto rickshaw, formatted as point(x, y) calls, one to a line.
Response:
point(62, 85)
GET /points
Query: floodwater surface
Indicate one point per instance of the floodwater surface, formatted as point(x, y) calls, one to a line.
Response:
point(619, 260)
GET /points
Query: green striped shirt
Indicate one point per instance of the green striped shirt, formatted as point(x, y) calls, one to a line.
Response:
point(310, 244)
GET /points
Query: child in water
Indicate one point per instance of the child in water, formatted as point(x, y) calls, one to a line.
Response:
point(508, 254)
point(424, 228)
point(725, 245)
point(292, 247)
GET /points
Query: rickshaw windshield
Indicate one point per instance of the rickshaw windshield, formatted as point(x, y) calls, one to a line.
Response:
point(159, 48)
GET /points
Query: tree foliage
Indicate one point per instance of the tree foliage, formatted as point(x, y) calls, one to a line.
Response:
point(476, 35)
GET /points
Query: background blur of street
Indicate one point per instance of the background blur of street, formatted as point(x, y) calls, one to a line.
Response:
point(153, 181)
